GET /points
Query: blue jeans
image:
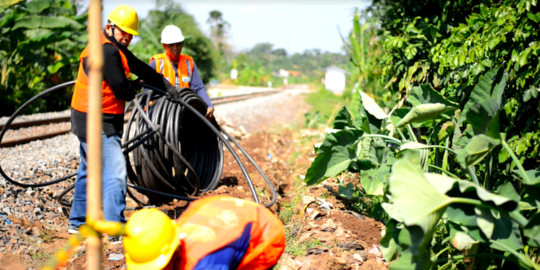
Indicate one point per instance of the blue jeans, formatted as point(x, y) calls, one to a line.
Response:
point(114, 182)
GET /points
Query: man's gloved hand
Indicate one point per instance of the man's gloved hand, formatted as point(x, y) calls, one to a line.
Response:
point(136, 85)
point(171, 90)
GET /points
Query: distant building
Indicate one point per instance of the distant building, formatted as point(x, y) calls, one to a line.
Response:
point(283, 73)
point(334, 79)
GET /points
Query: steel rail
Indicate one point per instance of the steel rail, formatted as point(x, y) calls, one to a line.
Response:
point(14, 142)
point(215, 100)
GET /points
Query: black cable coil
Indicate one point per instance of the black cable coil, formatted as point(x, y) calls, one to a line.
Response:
point(155, 164)
point(170, 137)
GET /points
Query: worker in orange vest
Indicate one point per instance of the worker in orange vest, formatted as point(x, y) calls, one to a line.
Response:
point(116, 89)
point(217, 232)
point(179, 69)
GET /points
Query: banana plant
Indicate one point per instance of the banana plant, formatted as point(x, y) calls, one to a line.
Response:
point(40, 43)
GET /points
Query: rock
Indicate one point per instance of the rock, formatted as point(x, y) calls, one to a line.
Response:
point(341, 260)
point(361, 256)
point(11, 262)
point(307, 200)
point(36, 231)
point(315, 214)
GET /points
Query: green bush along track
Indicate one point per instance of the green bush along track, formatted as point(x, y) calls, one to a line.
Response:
point(449, 161)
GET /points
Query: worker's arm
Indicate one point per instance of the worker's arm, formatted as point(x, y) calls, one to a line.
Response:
point(143, 71)
point(149, 75)
point(153, 64)
point(114, 74)
point(197, 85)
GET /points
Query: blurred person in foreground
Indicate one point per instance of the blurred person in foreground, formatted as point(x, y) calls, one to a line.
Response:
point(218, 233)
point(179, 69)
point(116, 89)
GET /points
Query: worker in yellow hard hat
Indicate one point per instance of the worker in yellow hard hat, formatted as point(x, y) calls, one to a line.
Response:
point(178, 68)
point(217, 232)
point(116, 89)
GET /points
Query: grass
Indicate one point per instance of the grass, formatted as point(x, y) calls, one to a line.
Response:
point(46, 235)
point(300, 249)
point(325, 102)
point(293, 206)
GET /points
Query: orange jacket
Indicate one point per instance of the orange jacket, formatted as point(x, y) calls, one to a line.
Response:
point(110, 104)
point(185, 69)
point(209, 224)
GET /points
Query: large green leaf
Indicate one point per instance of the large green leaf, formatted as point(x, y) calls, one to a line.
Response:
point(416, 200)
point(5, 3)
point(408, 262)
point(37, 6)
point(484, 219)
point(422, 112)
point(38, 21)
point(462, 214)
point(372, 107)
point(463, 242)
point(477, 148)
point(399, 114)
point(498, 90)
point(335, 155)
point(529, 194)
point(481, 91)
point(367, 154)
point(532, 229)
point(448, 185)
point(507, 233)
point(343, 119)
point(389, 247)
point(484, 118)
point(43, 40)
point(371, 183)
point(425, 94)
point(461, 140)
point(533, 176)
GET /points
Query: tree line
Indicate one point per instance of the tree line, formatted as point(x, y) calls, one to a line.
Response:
point(41, 41)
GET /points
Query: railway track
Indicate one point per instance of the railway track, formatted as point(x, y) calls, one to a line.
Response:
point(64, 127)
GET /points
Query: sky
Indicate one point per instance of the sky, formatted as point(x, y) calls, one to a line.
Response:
point(294, 25)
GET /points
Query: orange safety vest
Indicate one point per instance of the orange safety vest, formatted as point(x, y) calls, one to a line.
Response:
point(110, 103)
point(211, 223)
point(185, 69)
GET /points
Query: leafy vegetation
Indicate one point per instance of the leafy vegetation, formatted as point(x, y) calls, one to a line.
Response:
point(196, 44)
point(450, 160)
point(261, 64)
point(40, 43)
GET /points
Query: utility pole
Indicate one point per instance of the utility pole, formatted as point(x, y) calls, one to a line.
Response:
point(93, 199)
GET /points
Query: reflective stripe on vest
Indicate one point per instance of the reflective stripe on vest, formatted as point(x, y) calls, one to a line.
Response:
point(110, 104)
point(182, 76)
point(212, 223)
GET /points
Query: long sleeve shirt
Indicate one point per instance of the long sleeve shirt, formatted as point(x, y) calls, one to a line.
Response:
point(123, 88)
point(195, 84)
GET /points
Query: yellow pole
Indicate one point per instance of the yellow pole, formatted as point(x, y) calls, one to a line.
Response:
point(94, 127)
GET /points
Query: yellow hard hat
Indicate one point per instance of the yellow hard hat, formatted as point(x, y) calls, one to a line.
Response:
point(151, 240)
point(125, 17)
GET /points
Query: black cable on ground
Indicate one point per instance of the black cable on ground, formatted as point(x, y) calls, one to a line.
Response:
point(170, 137)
